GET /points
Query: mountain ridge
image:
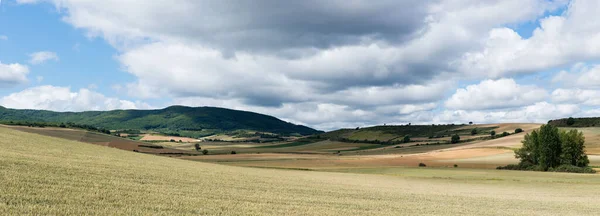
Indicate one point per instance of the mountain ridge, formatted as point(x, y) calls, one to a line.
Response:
point(172, 118)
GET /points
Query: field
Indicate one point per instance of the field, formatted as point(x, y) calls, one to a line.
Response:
point(49, 175)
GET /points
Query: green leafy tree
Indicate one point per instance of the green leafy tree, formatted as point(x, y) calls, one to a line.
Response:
point(197, 147)
point(550, 147)
point(474, 131)
point(518, 130)
point(406, 139)
point(455, 138)
point(529, 153)
point(493, 133)
point(570, 121)
point(204, 152)
point(573, 149)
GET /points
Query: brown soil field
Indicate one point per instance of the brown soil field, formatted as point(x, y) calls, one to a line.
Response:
point(103, 140)
point(154, 137)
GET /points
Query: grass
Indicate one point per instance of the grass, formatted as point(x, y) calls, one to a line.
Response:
point(51, 176)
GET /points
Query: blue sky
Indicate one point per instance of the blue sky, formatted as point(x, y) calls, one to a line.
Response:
point(326, 66)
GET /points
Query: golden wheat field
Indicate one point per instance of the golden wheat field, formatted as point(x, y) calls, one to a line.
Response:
point(42, 175)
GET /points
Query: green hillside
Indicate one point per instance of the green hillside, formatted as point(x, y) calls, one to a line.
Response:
point(171, 119)
point(576, 122)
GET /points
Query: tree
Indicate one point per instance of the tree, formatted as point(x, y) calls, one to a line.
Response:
point(455, 139)
point(493, 133)
point(233, 152)
point(573, 149)
point(518, 130)
point(470, 123)
point(570, 121)
point(474, 131)
point(505, 134)
point(204, 152)
point(550, 147)
point(406, 139)
point(197, 147)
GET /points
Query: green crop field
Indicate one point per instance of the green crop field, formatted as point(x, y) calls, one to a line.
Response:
point(42, 175)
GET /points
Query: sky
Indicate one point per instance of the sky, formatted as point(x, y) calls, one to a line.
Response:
point(326, 64)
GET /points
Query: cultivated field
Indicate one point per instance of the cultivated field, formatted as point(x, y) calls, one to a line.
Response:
point(47, 175)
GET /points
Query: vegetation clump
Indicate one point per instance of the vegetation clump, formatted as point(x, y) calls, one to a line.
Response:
point(474, 131)
point(455, 139)
point(493, 134)
point(518, 130)
point(422, 165)
point(551, 150)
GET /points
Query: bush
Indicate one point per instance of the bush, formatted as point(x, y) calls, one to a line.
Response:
point(474, 131)
point(455, 139)
point(572, 169)
point(233, 152)
point(455, 165)
point(406, 139)
point(422, 165)
point(518, 130)
point(204, 152)
point(197, 147)
point(493, 133)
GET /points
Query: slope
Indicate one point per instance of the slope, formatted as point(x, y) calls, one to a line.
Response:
point(173, 118)
point(52, 176)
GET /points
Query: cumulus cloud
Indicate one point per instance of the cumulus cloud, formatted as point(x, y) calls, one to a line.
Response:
point(63, 99)
point(12, 74)
point(539, 112)
point(580, 76)
point(495, 94)
point(339, 63)
point(42, 56)
point(577, 96)
point(559, 40)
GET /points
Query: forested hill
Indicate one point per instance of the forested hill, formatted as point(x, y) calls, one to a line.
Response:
point(576, 122)
point(173, 118)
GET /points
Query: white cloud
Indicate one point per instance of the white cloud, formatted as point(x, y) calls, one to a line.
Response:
point(537, 113)
point(577, 96)
point(63, 99)
point(3, 37)
point(12, 74)
point(494, 94)
point(580, 76)
point(41, 57)
point(347, 64)
point(560, 40)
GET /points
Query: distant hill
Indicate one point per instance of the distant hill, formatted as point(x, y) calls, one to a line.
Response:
point(577, 122)
point(201, 120)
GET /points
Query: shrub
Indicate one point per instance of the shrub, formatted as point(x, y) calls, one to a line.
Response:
point(204, 152)
point(197, 147)
point(422, 165)
point(406, 139)
point(572, 169)
point(474, 131)
point(233, 152)
point(172, 140)
point(518, 130)
point(455, 165)
point(493, 133)
point(455, 139)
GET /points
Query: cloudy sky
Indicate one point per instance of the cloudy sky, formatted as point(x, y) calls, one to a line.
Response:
point(326, 64)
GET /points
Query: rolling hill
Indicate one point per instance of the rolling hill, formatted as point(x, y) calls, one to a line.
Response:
point(170, 119)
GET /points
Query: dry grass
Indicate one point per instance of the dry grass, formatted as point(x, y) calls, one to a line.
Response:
point(44, 175)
